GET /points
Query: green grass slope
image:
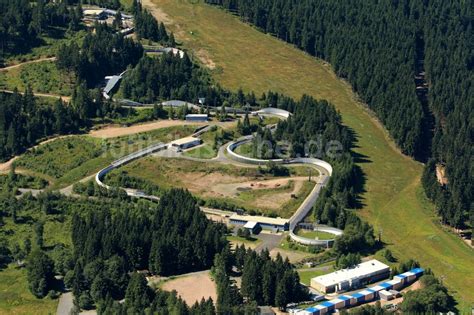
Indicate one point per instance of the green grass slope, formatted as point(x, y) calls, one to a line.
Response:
point(393, 202)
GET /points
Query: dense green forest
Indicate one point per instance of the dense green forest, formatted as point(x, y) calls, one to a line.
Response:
point(172, 238)
point(168, 77)
point(23, 120)
point(102, 53)
point(410, 61)
point(265, 281)
point(22, 23)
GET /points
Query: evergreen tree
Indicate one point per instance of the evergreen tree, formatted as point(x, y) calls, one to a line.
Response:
point(137, 296)
point(40, 273)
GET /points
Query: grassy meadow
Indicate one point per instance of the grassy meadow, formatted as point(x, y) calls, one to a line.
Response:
point(393, 201)
point(46, 46)
point(43, 77)
point(15, 298)
point(67, 160)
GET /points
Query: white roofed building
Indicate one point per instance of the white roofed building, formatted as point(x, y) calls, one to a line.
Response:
point(351, 278)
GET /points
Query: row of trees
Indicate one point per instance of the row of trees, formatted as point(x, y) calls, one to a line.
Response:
point(380, 47)
point(449, 62)
point(141, 299)
point(315, 130)
point(23, 120)
point(146, 26)
point(169, 77)
point(264, 281)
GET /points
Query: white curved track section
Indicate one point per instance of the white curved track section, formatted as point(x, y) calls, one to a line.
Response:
point(271, 111)
point(324, 167)
point(127, 159)
point(303, 210)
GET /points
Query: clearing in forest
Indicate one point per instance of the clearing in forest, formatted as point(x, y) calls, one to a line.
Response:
point(193, 288)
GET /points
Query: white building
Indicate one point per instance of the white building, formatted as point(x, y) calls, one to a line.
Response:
point(351, 278)
point(185, 143)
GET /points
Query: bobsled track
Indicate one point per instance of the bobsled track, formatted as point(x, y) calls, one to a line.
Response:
point(227, 152)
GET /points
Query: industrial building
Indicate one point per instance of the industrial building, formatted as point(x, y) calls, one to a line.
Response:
point(197, 117)
point(385, 290)
point(253, 227)
point(99, 14)
point(185, 143)
point(276, 224)
point(351, 278)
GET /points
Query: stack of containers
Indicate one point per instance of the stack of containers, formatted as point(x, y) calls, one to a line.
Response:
point(410, 276)
point(402, 278)
point(329, 306)
point(396, 283)
point(357, 298)
point(338, 303)
point(315, 310)
point(386, 285)
point(321, 310)
point(369, 294)
point(417, 271)
point(346, 299)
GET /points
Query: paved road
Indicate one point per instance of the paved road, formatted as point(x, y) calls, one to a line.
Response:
point(66, 304)
point(68, 190)
point(269, 241)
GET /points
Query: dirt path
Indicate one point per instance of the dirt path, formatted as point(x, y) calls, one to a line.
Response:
point(27, 62)
point(57, 96)
point(5, 166)
point(117, 131)
point(65, 304)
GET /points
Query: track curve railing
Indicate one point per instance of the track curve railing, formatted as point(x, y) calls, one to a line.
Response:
point(308, 203)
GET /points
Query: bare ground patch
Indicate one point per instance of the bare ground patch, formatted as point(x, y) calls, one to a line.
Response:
point(293, 256)
point(205, 58)
point(117, 131)
point(193, 288)
point(112, 131)
point(161, 16)
point(270, 200)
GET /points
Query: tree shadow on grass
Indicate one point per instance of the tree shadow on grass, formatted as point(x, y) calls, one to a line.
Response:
point(359, 187)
